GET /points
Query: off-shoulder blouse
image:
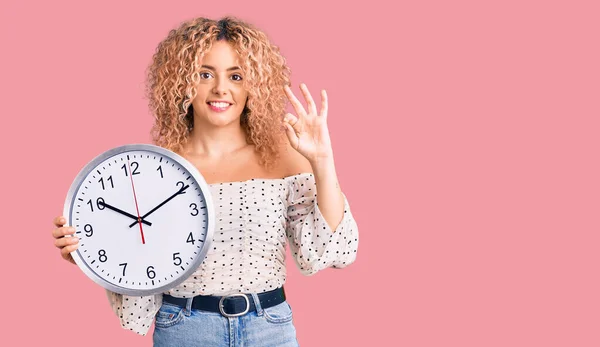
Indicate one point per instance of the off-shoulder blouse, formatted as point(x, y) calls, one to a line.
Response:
point(255, 219)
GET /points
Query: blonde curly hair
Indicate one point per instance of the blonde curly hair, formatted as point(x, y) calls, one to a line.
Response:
point(174, 71)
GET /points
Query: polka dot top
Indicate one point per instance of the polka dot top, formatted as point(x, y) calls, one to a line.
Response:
point(255, 219)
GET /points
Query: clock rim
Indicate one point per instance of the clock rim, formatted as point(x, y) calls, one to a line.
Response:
point(205, 191)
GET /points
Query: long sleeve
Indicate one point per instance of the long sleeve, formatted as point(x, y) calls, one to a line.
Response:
point(136, 313)
point(313, 244)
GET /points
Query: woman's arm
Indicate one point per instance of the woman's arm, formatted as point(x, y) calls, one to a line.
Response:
point(308, 135)
point(329, 194)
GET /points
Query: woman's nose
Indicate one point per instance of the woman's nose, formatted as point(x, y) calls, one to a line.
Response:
point(221, 86)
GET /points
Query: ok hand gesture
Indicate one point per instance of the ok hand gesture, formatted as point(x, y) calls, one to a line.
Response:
point(307, 132)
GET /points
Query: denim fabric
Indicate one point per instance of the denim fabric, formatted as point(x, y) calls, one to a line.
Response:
point(178, 326)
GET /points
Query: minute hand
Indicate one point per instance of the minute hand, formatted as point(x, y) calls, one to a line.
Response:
point(180, 191)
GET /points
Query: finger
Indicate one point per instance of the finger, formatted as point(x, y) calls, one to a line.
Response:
point(324, 103)
point(59, 221)
point(312, 108)
point(66, 241)
point(293, 121)
point(60, 232)
point(294, 101)
point(66, 252)
point(291, 135)
point(68, 249)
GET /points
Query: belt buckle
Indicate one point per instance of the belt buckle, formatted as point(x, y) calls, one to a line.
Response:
point(222, 307)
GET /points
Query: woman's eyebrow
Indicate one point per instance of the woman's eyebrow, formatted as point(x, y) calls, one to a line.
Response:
point(233, 68)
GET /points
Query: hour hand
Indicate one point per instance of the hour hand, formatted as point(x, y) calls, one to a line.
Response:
point(121, 212)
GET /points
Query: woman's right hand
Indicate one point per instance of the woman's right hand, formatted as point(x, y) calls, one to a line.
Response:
point(65, 244)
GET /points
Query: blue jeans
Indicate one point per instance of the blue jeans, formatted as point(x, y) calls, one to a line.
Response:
point(178, 326)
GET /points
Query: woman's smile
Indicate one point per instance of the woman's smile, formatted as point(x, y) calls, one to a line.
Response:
point(219, 106)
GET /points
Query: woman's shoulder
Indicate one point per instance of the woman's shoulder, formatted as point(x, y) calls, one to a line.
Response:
point(291, 162)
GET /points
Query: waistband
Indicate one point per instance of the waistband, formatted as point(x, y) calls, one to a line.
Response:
point(233, 305)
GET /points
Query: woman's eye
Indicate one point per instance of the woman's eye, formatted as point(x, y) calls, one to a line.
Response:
point(236, 77)
point(205, 75)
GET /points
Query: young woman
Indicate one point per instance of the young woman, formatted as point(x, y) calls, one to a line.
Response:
point(218, 91)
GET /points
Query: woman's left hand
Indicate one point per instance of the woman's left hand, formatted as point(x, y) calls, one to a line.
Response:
point(308, 132)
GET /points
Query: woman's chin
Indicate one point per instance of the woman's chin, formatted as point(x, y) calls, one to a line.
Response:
point(221, 121)
point(218, 119)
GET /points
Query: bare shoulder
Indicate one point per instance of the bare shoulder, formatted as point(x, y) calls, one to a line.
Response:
point(292, 162)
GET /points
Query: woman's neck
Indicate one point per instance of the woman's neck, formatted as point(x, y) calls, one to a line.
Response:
point(215, 142)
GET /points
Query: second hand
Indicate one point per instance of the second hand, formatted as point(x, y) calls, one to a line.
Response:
point(136, 203)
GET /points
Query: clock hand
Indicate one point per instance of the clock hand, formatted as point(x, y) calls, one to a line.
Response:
point(121, 212)
point(139, 220)
point(180, 191)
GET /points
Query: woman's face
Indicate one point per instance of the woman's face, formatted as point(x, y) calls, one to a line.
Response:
point(220, 96)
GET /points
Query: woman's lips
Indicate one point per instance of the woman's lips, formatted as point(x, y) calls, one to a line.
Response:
point(218, 107)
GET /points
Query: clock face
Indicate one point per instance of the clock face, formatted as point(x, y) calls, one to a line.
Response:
point(144, 218)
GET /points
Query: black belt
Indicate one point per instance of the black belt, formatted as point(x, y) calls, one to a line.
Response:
point(233, 305)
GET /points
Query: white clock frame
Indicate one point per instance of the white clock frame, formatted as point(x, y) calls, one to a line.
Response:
point(204, 192)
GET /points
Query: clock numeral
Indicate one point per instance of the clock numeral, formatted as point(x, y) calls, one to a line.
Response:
point(135, 166)
point(108, 180)
point(176, 259)
point(160, 170)
point(150, 272)
point(194, 209)
point(102, 255)
point(124, 265)
point(181, 191)
point(89, 231)
point(190, 238)
point(100, 206)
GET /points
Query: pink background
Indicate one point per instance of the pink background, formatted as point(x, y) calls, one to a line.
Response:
point(466, 140)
